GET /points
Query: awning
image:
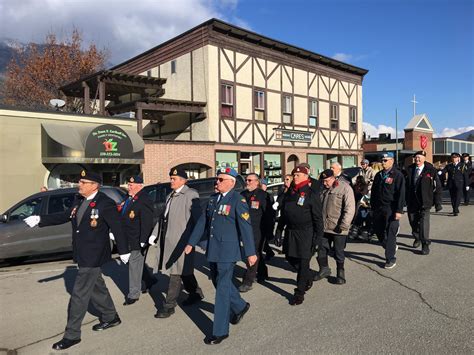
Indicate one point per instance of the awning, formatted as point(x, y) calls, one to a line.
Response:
point(89, 143)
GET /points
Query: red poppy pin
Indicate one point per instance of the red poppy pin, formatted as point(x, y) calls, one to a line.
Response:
point(92, 204)
point(135, 197)
point(252, 198)
point(302, 194)
point(428, 175)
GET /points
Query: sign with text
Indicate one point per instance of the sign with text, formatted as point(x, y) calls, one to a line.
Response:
point(293, 136)
point(108, 141)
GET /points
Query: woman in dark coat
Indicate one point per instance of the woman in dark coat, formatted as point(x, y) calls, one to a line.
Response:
point(301, 214)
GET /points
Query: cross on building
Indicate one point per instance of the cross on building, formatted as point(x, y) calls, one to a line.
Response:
point(414, 104)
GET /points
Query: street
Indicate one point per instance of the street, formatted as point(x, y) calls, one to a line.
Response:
point(424, 305)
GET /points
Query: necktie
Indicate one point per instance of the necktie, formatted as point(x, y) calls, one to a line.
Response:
point(219, 198)
point(82, 210)
point(168, 204)
point(125, 204)
point(417, 174)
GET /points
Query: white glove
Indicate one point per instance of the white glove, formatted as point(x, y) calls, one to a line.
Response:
point(152, 240)
point(111, 236)
point(32, 221)
point(125, 258)
point(440, 172)
point(142, 245)
point(467, 188)
point(275, 206)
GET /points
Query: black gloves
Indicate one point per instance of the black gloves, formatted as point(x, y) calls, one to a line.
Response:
point(338, 229)
point(278, 241)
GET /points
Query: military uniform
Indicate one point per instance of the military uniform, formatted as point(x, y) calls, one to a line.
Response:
point(261, 217)
point(388, 198)
point(226, 227)
point(422, 185)
point(467, 170)
point(91, 221)
point(137, 223)
point(456, 181)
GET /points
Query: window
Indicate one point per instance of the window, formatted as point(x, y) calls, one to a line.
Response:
point(32, 207)
point(227, 100)
point(173, 66)
point(60, 203)
point(287, 109)
point(313, 113)
point(272, 167)
point(334, 114)
point(348, 161)
point(259, 103)
point(353, 119)
point(148, 73)
point(226, 160)
point(316, 162)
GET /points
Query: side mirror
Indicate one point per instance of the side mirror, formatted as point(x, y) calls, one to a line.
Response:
point(4, 218)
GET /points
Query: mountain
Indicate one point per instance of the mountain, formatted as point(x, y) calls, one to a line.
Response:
point(467, 136)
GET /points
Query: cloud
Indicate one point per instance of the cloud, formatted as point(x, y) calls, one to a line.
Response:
point(374, 131)
point(449, 132)
point(342, 57)
point(125, 28)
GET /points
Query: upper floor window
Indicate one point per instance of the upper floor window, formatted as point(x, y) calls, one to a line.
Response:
point(334, 115)
point(259, 103)
point(173, 66)
point(353, 119)
point(287, 109)
point(227, 100)
point(313, 113)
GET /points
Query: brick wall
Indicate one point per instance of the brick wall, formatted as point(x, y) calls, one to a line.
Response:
point(412, 142)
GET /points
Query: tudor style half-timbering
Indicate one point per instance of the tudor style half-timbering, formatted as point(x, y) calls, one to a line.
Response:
point(268, 105)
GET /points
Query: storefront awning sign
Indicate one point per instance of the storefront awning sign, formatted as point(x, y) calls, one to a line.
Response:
point(293, 136)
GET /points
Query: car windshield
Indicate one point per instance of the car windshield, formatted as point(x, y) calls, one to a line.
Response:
point(27, 209)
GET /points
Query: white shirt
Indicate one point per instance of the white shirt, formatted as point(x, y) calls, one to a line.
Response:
point(91, 197)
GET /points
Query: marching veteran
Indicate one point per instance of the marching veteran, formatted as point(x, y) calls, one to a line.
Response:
point(172, 232)
point(92, 215)
point(225, 226)
point(137, 223)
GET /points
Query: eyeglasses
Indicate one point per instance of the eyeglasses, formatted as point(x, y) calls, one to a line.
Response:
point(385, 160)
point(221, 179)
point(287, 179)
point(86, 182)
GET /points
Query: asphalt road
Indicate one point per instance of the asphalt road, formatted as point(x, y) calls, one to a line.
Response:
point(424, 305)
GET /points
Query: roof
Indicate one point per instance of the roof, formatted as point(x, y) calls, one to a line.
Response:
point(420, 122)
point(260, 40)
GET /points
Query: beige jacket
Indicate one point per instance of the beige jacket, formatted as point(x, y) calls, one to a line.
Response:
point(368, 174)
point(338, 207)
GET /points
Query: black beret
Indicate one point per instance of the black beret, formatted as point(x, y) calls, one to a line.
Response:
point(327, 173)
point(178, 172)
point(420, 152)
point(91, 176)
point(137, 179)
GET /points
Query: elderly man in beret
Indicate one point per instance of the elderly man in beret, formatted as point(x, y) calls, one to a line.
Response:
point(92, 216)
point(136, 213)
point(457, 178)
point(172, 233)
point(422, 185)
point(227, 229)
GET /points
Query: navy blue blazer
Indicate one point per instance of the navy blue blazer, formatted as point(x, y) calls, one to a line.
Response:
point(227, 229)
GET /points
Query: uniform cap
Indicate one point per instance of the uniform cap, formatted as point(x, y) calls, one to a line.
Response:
point(327, 173)
point(388, 155)
point(227, 171)
point(465, 155)
point(420, 152)
point(91, 176)
point(300, 169)
point(137, 179)
point(455, 155)
point(179, 172)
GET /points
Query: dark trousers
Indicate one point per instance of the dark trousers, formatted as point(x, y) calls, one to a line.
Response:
point(88, 286)
point(420, 225)
point(466, 195)
point(329, 240)
point(228, 299)
point(174, 288)
point(147, 275)
point(304, 273)
point(386, 227)
point(259, 267)
point(455, 191)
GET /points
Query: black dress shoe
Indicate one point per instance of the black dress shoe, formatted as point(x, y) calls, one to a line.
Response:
point(213, 340)
point(238, 317)
point(425, 249)
point(65, 343)
point(129, 301)
point(416, 243)
point(105, 325)
point(192, 299)
point(164, 313)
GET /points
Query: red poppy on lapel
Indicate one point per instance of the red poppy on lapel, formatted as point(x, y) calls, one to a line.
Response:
point(92, 204)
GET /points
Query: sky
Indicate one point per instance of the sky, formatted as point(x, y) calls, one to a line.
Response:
point(410, 47)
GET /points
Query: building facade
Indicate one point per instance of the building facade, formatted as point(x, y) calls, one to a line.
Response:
point(267, 105)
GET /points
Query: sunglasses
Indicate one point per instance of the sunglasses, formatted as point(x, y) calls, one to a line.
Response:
point(287, 179)
point(385, 160)
point(221, 179)
point(250, 180)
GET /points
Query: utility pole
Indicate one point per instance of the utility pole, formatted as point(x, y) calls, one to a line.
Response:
point(396, 135)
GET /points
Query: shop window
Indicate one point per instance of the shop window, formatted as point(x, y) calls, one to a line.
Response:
point(334, 115)
point(316, 162)
point(259, 103)
point(313, 113)
point(348, 161)
point(272, 168)
point(173, 66)
point(353, 120)
point(226, 160)
point(227, 100)
point(287, 109)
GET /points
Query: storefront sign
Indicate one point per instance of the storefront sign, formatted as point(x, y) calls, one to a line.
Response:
point(108, 141)
point(293, 136)
point(423, 142)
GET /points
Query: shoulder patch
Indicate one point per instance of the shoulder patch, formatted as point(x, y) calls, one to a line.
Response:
point(245, 215)
point(243, 200)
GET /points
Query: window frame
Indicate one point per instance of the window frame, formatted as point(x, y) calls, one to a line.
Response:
point(312, 100)
point(229, 104)
point(333, 120)
point(259, 110)
point(353, 119)
point(283, 107)
point(174, 66)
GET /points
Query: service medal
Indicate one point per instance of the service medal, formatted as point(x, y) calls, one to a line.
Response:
point(93, 223)
point(132, 214)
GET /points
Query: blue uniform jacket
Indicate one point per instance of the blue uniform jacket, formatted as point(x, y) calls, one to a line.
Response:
point(226, 228)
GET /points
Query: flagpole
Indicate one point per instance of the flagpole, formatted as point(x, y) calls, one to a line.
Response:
point(396, 134)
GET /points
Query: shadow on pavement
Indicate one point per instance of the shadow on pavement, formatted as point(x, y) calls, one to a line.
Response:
point(359, 256)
